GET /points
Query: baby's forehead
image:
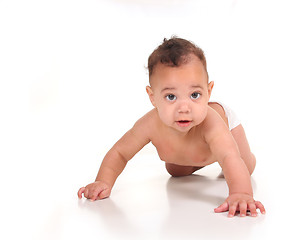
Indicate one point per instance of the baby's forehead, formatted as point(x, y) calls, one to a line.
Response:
point(163, 71)
point(184, 60)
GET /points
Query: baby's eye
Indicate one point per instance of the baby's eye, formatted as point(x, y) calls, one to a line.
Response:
point(195, 95)
point(171, 97)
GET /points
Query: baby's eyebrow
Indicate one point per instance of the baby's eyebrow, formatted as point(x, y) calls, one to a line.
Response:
point(167, 89)
point(197, 86)
point(173, 88)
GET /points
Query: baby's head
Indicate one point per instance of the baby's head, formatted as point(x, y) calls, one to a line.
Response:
point(179, 87)
point(174, 53)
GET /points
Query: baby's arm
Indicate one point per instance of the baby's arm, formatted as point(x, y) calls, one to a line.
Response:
point(115, 161)
point(235, 171)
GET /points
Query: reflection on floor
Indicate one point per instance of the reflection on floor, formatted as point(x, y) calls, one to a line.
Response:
point(153, 205)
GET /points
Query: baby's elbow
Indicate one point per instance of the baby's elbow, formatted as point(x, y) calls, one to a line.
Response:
point(232, 162)
point(229, 158)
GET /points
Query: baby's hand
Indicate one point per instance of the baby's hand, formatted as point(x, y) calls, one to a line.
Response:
point(240, 202)
point(95, 191)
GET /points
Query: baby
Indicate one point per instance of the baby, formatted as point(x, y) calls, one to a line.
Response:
point(188, 131)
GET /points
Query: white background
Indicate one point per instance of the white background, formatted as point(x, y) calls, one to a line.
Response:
point(72, 82)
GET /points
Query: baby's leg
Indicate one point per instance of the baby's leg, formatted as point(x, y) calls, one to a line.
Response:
point(244, 148)
point(240, 138)
point(180, 171)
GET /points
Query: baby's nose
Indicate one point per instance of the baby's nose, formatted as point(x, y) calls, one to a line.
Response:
point(184, 107)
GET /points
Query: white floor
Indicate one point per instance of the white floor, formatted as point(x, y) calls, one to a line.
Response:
point(72, 81)
point(148, 204)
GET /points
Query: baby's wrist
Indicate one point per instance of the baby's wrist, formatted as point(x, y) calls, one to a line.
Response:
point(105, 182)
point(241, 193)
point(240, 189)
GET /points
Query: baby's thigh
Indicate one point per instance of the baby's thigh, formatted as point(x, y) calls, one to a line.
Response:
point(244, 148)
point(180, 171)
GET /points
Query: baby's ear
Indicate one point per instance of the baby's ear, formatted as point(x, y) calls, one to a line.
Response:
point(151, 95)
point(210, 88)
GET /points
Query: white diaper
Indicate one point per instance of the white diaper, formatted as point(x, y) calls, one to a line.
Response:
point(233, 120)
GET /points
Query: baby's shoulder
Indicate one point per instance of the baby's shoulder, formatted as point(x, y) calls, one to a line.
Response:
point(213, 122)
point(149, 118)
point(147, 122)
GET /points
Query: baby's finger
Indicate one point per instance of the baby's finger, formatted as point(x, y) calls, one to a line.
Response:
point(252, 208)
point(232, 209)
point(104, 194)
point(80, 192)
point(86, 192)
point(94, 195)
point(243, 208)
point(222, 208)
point(261, 207)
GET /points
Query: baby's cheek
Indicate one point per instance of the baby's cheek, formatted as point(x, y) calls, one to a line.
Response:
point(201, 115)
point(165, 116)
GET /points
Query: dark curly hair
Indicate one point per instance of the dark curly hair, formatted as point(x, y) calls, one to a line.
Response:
point(174, 52)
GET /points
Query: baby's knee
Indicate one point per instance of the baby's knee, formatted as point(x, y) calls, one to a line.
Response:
point(180, 171)
point(252, 165)
point(175, 170)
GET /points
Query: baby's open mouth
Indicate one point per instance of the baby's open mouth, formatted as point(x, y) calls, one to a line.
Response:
point(183, 123)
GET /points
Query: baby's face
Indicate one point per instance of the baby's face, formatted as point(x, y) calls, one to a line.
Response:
point(180, 94)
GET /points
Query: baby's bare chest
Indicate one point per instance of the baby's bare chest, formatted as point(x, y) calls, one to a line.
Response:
point(193, 152)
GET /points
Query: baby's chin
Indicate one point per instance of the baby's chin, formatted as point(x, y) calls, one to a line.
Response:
point(184, 126)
